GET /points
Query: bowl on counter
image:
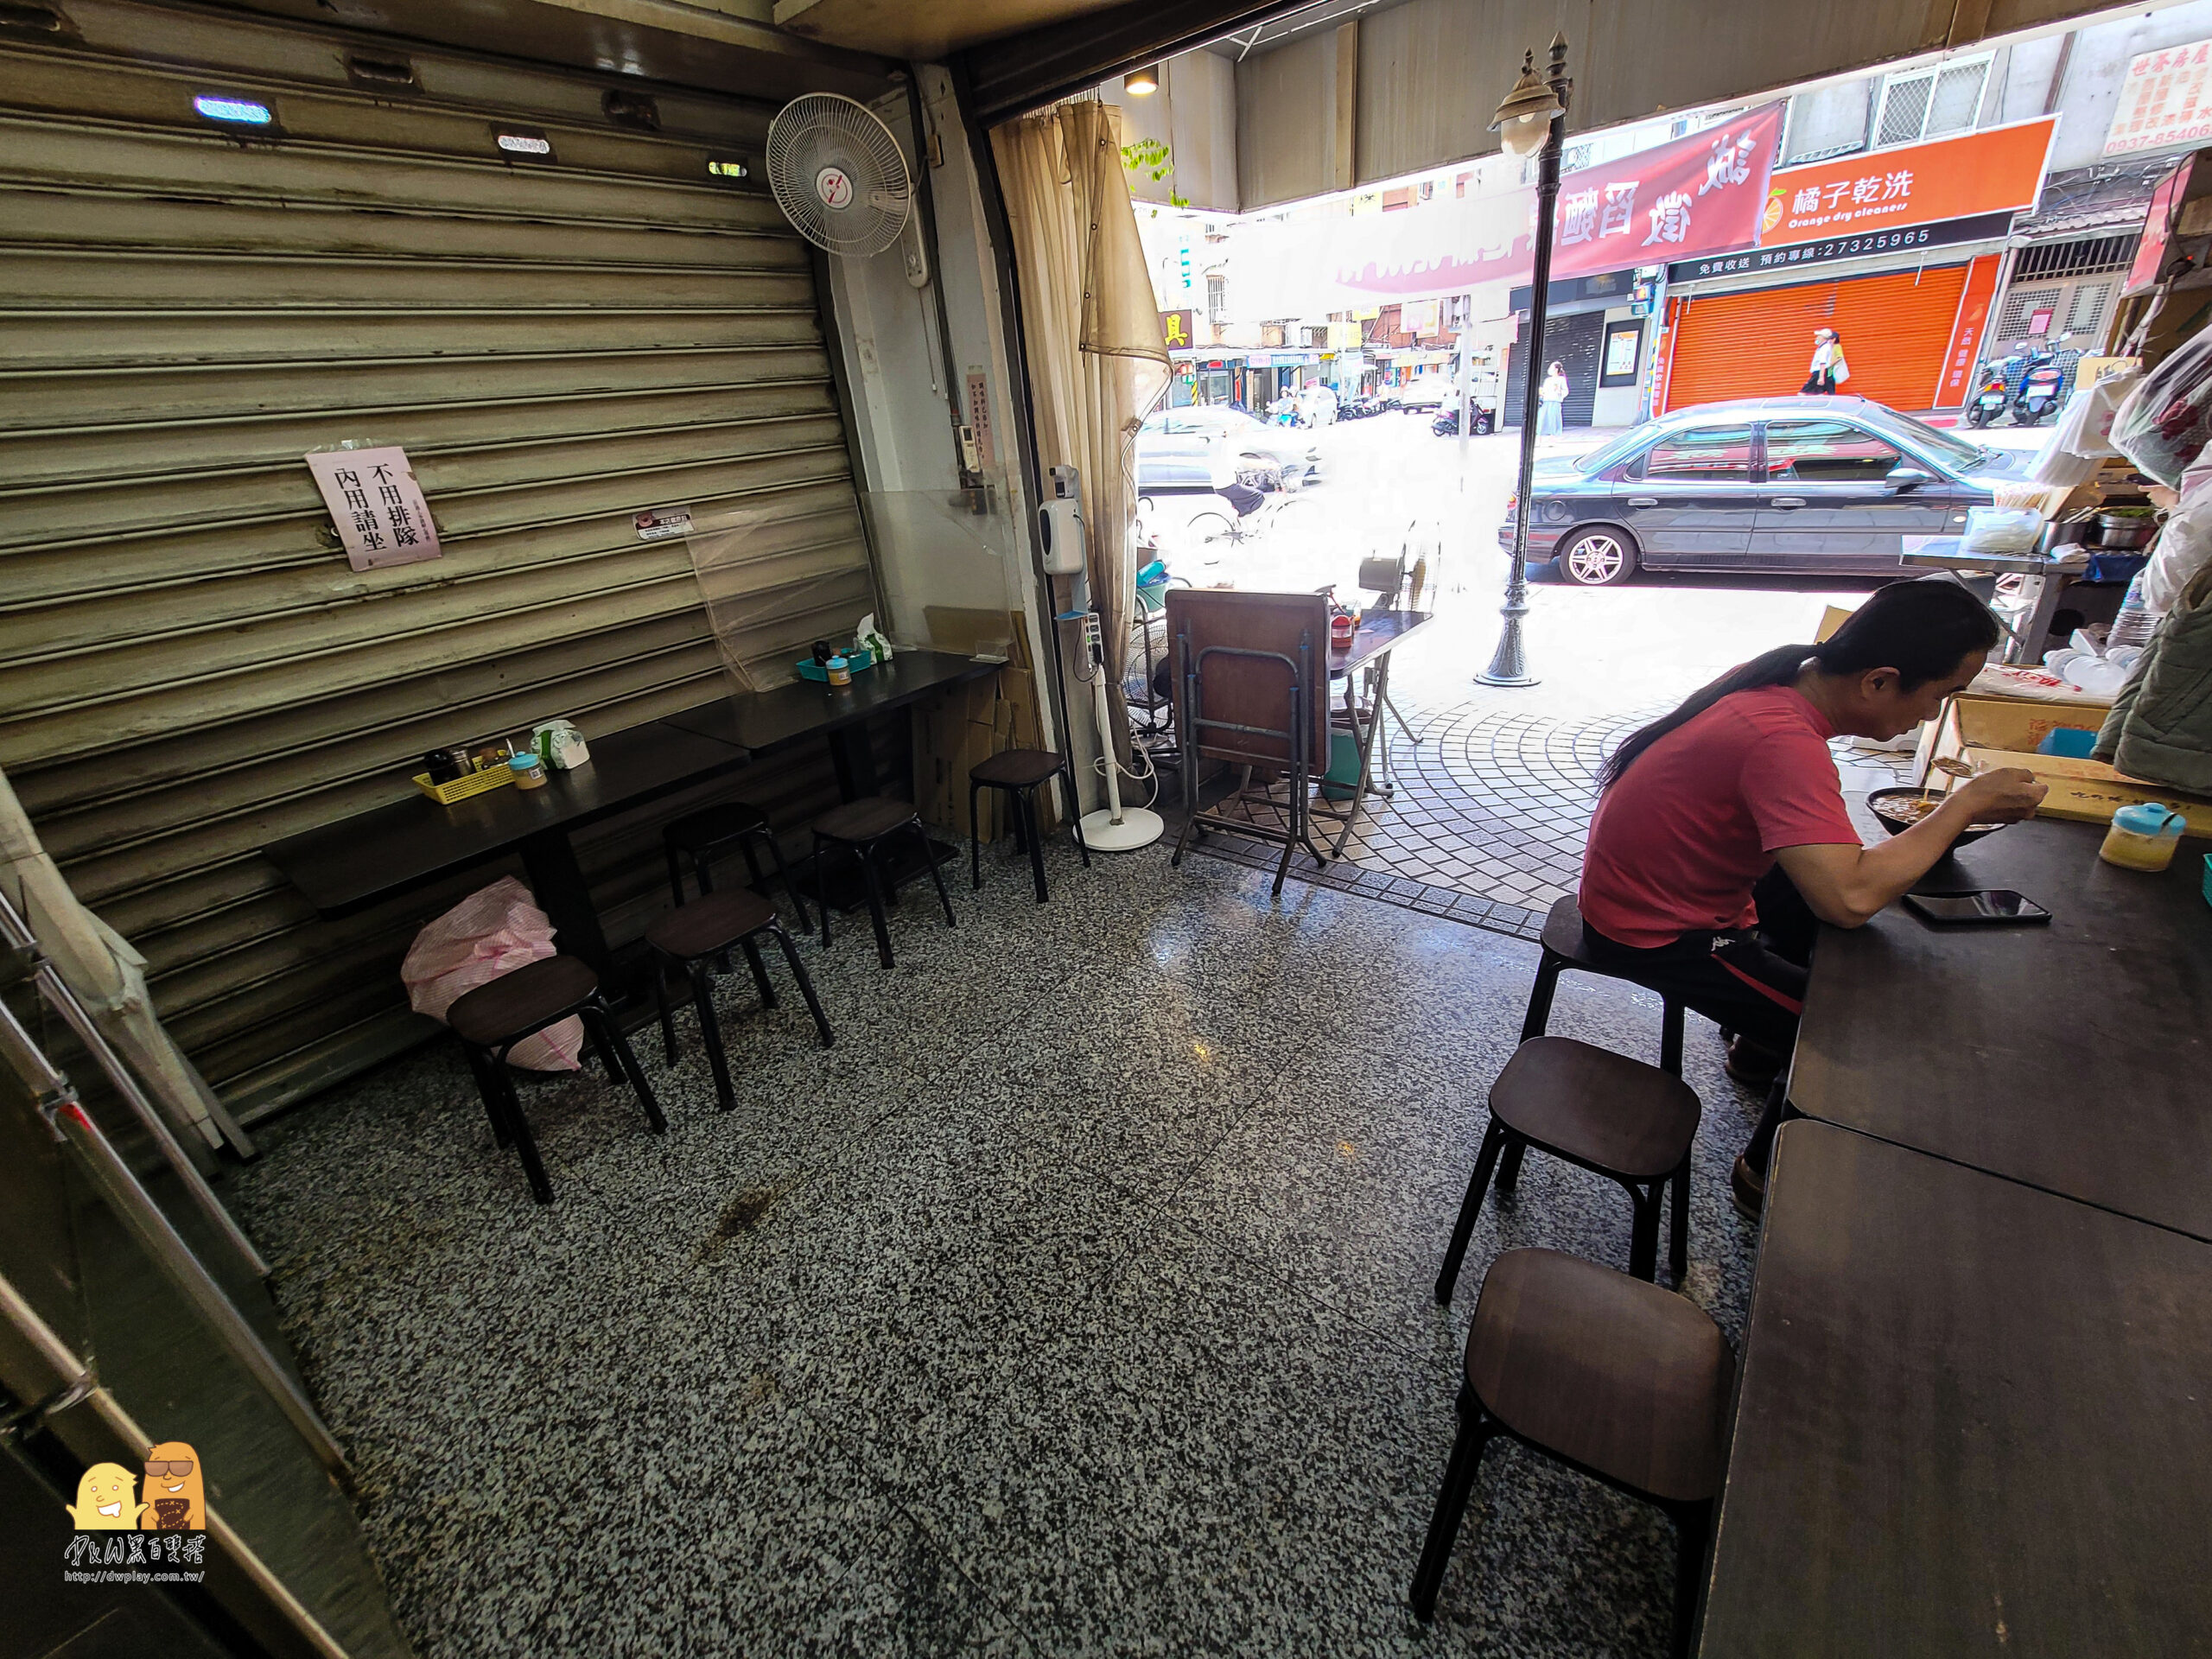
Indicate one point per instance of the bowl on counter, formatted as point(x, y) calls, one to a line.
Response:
point(1884, 805)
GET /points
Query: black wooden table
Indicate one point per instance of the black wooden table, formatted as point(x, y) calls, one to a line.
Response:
point(346, 866)
point(350, 865)
point(761, 722)
point(1972, 1417)
point(2076, 1057)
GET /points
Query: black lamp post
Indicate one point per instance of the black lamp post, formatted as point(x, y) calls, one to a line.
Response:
point(1532, 120)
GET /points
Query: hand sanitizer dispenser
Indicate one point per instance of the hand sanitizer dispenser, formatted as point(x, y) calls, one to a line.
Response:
point(1059, 523)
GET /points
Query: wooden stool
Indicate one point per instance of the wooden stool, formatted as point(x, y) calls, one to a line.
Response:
point(1606, 1374)
point(1563, 950)
point(861, 826)
point(491, 1019)
point(1019, 772)
point(1617, 1117)
point(713, 831)
point(697, 936)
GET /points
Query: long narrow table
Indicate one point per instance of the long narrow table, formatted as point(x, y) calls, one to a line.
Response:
point(2076, 1057)
point(344, 866)
point(1369, 656)
point(1974, 1418)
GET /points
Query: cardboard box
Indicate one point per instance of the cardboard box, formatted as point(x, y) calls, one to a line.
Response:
point(2011, 723)
point(2089, 791)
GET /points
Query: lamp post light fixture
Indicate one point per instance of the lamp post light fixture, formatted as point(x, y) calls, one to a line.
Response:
point(1531, 121)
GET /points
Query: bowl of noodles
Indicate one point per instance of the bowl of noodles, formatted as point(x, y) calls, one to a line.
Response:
point(1897, 809)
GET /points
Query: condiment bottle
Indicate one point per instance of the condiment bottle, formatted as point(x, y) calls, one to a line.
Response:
point(839, 671)
point(2143, 836)
point(1342, 626)
point(528, 768)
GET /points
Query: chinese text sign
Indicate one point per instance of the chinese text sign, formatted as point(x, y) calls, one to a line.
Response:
point(377, 506)
point(2165, 98)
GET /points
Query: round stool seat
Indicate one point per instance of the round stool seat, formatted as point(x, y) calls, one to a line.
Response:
point(1016, 768)
point(869, 818)
point(711, 826)
point(1613, 1373)
point(518, 1003)
point(1597, 1107)
point(709, 924)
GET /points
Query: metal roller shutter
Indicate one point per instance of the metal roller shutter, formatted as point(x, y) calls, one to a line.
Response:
point(1894, 326)
point(190, 669)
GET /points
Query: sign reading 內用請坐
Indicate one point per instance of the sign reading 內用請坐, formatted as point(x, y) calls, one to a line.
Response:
point(376, 506)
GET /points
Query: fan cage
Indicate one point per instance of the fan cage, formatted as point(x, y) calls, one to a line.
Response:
point(821, 130)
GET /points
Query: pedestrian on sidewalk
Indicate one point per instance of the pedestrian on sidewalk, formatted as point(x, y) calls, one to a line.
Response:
point(1829, 371)
point(1551, 397)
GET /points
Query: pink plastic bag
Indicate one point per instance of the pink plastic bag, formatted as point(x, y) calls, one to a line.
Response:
point(491, 932)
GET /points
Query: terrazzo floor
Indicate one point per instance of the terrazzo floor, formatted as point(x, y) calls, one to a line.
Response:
point(1079, 1302)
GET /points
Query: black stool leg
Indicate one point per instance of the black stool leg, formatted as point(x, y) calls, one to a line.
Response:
point(806, 987)
point(820, 890)
point(675, 874)
point(783, 875)
point(525, 1145)
point(1539, 996)
point(1024, 807)
point(489, 1092)
point(660, 1000)
point(1508, 1167)
point(875, 902)
point(605, 1054)
point(598, 1019)
point(1678, 1249)
point(1693, 1539)
point(1670, 1038)
point(1644, 1231)
point(710, 1031)
point(1464, 1229)
point(759, 973)
point(975, 839)
point(1075, 817)
point(1475, 1431)
point(929, 857)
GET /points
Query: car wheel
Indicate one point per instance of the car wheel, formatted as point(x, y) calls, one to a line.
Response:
point(1596, 558)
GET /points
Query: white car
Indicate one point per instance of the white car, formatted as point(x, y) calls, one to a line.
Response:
point(1257, 446)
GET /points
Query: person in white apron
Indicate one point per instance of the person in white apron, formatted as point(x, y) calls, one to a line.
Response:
point(1829, 371)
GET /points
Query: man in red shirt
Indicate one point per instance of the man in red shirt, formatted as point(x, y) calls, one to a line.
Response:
point(1722, 835)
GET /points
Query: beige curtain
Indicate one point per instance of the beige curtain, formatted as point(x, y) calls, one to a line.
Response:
point(1095, 357)
point(109, 978)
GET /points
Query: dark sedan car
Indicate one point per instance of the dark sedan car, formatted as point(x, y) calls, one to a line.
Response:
point(1785, 485)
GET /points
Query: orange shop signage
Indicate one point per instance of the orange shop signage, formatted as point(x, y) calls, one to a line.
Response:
point(1998, 170)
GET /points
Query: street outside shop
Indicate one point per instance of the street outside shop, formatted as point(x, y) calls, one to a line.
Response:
point(1493, 798)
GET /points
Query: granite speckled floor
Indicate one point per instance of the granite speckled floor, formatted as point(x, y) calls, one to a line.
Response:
point(1077, 1302)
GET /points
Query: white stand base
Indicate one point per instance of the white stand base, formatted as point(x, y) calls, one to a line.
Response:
point(1139, 827)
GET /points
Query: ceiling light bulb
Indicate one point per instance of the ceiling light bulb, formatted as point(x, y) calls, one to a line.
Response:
point(1142, 83)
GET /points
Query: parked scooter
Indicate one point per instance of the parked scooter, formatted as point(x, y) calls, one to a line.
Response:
point(1447, 423)
point(2038, 398)
point(1991, 397)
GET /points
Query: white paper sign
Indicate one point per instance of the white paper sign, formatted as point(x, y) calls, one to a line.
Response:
point(376, 504)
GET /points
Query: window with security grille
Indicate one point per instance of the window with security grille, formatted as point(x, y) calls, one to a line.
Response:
point(1932, 103)
point(1216, 300)
point(2076, 258)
